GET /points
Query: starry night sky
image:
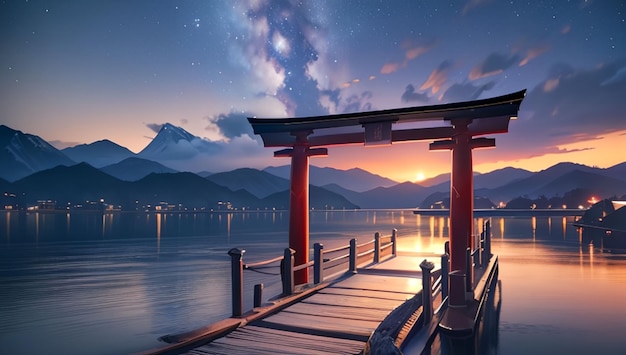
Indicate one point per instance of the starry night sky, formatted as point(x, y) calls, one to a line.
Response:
point(80, 71)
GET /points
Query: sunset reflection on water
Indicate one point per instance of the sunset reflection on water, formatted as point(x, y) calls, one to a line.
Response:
point(152, 274)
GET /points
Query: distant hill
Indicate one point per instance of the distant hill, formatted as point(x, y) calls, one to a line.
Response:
point(98, 154)
point(488, 180)
point(617, 171)
point(598, 184)
point(189, 189)
point(533, 186)
point(83, 184)
point(404, 195)
point(259, 183)
point(23, 154)
point(75, 184)
point(354, 179)
point(500, 177)
point(133, 169)
point(319, 198)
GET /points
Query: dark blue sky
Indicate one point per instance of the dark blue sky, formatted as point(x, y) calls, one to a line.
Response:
point(80, 71)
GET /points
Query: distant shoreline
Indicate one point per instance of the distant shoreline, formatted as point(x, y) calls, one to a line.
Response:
point(506, 212)
point(499, 212)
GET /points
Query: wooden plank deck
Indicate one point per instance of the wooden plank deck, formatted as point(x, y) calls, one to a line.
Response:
point(335, 320)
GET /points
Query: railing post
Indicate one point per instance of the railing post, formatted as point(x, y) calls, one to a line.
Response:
point(427, 290)
point(488, 240)
point(236, 276)
point(445, 271)
point(318, 263)
point(352, 267)
point(481, 248)
point(476, 253)
point(288, 264)
point(258, 295)
point(394, 241)
point(468, 270)
point(376, 247)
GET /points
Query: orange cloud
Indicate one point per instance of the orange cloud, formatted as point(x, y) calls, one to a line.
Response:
point(389, 68)
point(532, 54)
point(550, 85)
point(409, 55)
point(415, 52)
point(477, 73)
point(437, 78)
point(566, 29)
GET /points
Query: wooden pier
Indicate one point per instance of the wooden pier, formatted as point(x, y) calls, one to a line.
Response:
point(337, 319)
point(374, 304)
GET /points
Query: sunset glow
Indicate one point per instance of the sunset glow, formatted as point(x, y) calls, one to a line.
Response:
point(207, 67)
point(419, 177)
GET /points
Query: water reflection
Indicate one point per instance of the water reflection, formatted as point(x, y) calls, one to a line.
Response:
point(96, 277)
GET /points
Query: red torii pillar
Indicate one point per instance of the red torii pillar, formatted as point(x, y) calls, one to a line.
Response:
point(461, 198)
point(299, 200)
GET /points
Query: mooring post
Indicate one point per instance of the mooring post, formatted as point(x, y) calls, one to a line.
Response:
point(394, 241)
point(236, 276)
point(258, 295)
point(427, 290)
point(352, 267)
point(288, 264)
point(456, 289)
point(376, 247)
point(445, 271)
point(318, 263)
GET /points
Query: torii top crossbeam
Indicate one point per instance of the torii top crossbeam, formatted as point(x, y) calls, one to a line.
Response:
point(488, 116)
point(453, 126)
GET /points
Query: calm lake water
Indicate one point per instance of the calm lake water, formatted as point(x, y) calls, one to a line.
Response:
point(88, 283)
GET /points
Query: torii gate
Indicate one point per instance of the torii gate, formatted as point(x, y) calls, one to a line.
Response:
point(461, 122)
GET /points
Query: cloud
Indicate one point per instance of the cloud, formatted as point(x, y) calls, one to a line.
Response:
point(465, 92)
point(494, 64)
point(533, 53)
point(239, 151)
point(358, 103)
point(281, 41)
point(331, 99)
point(438, 77)
point(472, 4)
point(389, 68)
point(409, 95)
point(231, 125)
point(580, 105)
point(411, 52)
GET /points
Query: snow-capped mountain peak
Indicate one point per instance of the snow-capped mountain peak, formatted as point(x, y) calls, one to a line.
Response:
point(22, 154)
point(175, 143)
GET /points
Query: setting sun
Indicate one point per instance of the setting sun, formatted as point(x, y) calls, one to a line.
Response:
point(420, 176)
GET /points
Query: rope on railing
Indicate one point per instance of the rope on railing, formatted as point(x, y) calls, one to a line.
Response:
point(257, 265)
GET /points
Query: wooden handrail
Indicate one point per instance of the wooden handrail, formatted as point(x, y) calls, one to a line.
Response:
point(288, 268)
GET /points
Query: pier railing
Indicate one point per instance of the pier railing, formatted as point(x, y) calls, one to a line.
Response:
point(325, 263)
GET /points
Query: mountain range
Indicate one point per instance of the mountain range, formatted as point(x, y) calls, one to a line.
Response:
point(32, 170)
